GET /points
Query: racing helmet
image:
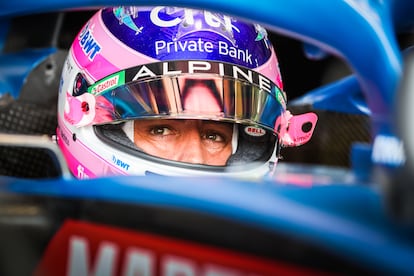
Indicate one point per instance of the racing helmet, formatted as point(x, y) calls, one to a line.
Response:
point(136, 63)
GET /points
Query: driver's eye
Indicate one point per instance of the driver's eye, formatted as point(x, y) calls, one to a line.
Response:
point(161, 130)
point(214, 137)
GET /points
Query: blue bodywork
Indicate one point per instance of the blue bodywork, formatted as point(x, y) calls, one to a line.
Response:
point(344, 212)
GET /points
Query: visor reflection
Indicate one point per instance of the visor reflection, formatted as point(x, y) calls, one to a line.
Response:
point(193, 97)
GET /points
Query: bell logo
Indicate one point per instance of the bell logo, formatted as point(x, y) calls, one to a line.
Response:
point(255, 131)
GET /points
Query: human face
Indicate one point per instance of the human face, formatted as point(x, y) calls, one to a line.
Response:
point(191, 141)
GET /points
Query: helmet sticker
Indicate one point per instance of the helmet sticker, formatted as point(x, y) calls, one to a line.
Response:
point(107, 83)
point(180, 33)
point(88, 43)
point(126, 15)
point(189, 21)
point(152, 70)
point(255, 131)
point(281, 97)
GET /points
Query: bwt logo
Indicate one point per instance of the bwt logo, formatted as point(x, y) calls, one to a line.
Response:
point(88, 43)
point(120, 163)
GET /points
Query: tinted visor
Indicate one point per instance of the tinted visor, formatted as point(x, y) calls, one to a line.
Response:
point(181, 90)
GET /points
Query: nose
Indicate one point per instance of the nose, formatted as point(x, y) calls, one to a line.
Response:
point(191, 150)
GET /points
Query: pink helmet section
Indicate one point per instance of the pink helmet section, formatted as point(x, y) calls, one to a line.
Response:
point(100, 54)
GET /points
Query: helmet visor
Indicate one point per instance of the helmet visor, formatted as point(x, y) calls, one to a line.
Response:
point(181, 90)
